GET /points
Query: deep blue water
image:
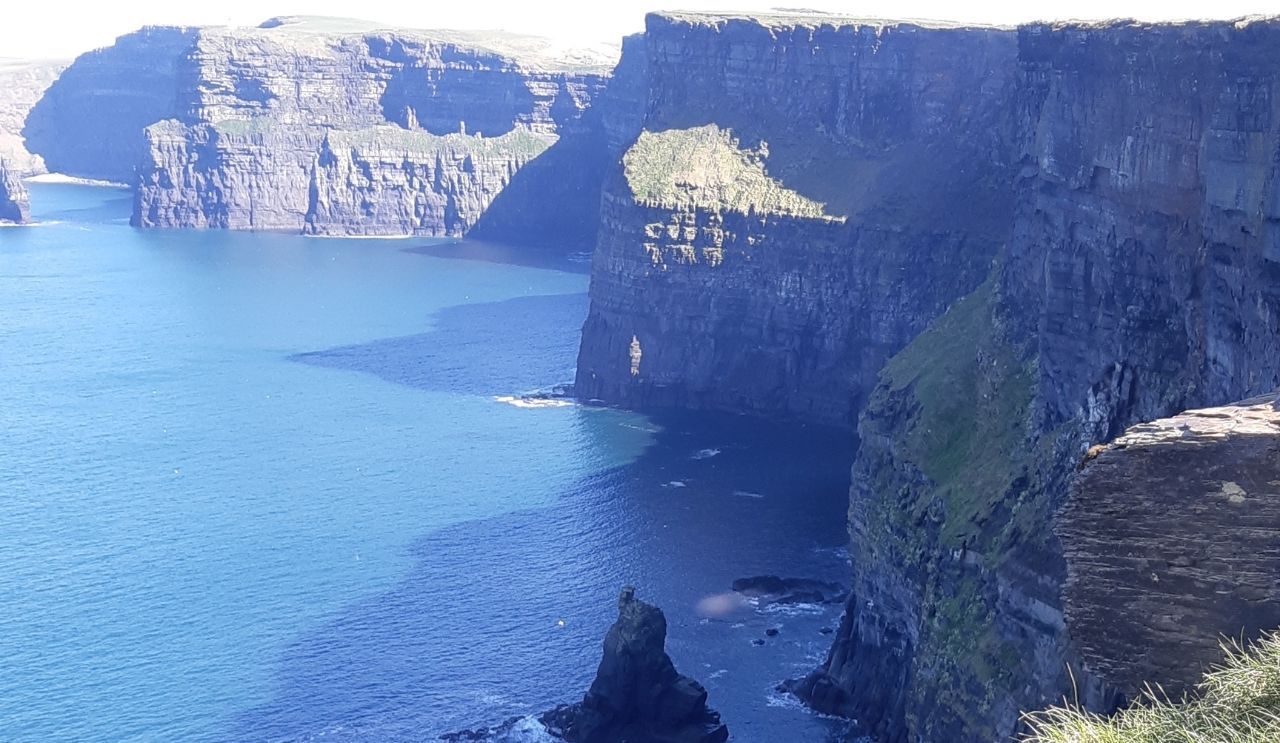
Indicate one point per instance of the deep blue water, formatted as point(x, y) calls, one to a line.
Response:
point(261, 487)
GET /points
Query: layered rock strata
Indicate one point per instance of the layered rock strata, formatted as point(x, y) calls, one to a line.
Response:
point(337, 127)
point(1176, 522)
point(1139, 280)
point(804, 197)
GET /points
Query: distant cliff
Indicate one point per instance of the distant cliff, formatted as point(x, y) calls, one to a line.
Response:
point(996, 264)
point(22, 83)
point(805, 196)
point(338, 127)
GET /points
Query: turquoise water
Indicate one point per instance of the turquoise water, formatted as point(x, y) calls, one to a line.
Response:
point(264, 487)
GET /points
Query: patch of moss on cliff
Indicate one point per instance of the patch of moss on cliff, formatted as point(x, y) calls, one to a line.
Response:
point(706, 167)
point(955, 488)
point(971, 390)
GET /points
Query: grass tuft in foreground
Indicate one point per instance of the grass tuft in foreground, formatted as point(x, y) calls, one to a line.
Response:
point(1238, 702)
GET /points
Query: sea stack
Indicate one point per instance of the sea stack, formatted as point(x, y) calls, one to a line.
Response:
point(638, 696)
point(15, 207)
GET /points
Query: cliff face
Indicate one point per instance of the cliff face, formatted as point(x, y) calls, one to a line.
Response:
point(338, 127)
point(1140, 279)
point(22, 83)
point(1134, 530)
point(90, 121)
point(804, 197)
point(14, 205)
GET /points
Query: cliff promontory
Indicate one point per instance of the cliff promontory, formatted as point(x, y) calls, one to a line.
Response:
point(991, 265)
point(337, 127)
point(805, 196)
point(22, 83)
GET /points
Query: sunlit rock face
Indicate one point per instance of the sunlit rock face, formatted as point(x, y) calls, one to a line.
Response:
point(804, 196)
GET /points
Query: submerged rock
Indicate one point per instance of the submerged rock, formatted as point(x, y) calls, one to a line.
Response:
point(770, 589)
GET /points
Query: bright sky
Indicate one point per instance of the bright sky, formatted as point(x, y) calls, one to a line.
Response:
point(64, 28)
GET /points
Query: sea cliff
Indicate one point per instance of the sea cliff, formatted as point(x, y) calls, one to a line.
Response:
point(991, 266)
point(337, 127)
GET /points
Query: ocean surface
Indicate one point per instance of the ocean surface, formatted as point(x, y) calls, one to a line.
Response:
point(267, 487)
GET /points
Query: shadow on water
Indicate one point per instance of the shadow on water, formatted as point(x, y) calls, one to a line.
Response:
point(510, 254)
point(471, 636)
point(458, 354)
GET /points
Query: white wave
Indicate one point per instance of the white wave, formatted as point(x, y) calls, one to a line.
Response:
point(705, 453)
point(72, 180)
point(534, 402)
point(795, 610)
point(675, 484)
point(747, 494)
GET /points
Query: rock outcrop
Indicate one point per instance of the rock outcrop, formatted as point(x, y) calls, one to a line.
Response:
point(805, 196)
point(337, 127)
point(14, 205)
point(1177, 522)
point(636, 697)
point(637, 694)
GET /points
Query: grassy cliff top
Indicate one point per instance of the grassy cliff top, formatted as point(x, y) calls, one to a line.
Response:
point(1237, 703)
point(393, 140)
point(783, 19)
point(706, 167)
point(529, 52)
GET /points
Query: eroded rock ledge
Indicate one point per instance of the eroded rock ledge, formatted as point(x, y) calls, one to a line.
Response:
point(1176, 524)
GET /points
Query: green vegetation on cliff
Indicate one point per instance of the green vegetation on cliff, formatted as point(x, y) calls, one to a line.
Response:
point(1237, 703)
point(952, 494)
point(396, 140)
point(706, 167)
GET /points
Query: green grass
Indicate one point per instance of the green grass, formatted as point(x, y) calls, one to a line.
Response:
point(1237, 703)
point(392, 139)
point(706, 167)
point(973, 394)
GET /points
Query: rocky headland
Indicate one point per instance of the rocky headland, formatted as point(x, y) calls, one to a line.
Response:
point(22, 83)
point(337, 127)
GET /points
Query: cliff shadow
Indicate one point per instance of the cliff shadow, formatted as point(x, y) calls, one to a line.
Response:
point(554, 200)
point(471, 634)
point(458, 354)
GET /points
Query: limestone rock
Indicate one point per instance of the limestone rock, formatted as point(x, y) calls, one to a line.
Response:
point(638, 696)
point(1172, 540)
